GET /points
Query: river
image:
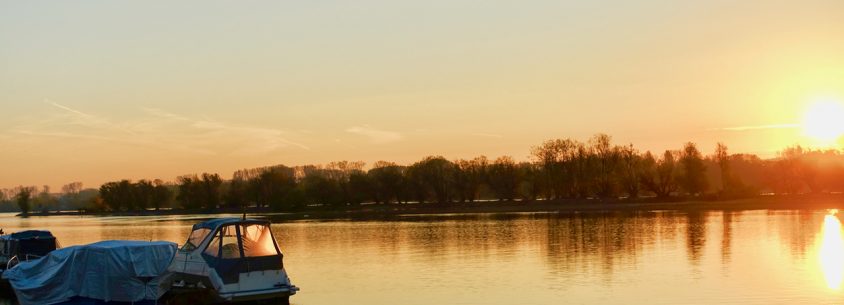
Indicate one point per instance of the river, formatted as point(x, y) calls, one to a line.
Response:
point(659, 257)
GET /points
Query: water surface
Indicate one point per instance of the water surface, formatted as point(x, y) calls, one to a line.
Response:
point(753, 257)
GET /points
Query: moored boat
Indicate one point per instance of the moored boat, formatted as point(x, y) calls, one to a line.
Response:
point(235, 259)
point(106, 272)
point(24, 246)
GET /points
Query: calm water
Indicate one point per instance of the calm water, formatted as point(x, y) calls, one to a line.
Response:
point(754, 257)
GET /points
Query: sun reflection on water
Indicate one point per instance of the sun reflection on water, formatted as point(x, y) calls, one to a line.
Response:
point(832, 251)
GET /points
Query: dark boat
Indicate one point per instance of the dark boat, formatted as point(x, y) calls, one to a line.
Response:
point(24, 246)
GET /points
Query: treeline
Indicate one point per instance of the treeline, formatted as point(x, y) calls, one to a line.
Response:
point(558, 169)
point(33, 198)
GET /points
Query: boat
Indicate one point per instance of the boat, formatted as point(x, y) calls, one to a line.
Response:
point(24, 246)
point(106, 272)
point(234, 259)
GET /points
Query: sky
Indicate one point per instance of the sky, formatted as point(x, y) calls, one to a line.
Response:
point(96, 91)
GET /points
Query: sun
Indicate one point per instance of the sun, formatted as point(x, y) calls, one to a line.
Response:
point(824, 121)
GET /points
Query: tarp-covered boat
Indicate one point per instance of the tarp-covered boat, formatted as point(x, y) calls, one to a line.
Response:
point(106, 272)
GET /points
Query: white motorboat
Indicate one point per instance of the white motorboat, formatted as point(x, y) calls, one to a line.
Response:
point(236, 259)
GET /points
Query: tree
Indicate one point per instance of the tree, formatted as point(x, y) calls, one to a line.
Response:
point(787, 170)
point(531, 182)
point(161, 194)
point(722, 158)
point(387, 179)
point(630, 170)
point(693, 177)
point(434, 174)
point(210, 188)
point(556, 158)
point(237, 193)
point(468, 176)
point(504, 178)
point(272, 185)
point(319, 189)
point(23, 197)
point(202, 191)
point(360, 188)
point(188, 195)
point(118, 195)
point(143, 194)
point(70, 195)
point(606, 162)
point(583, 170)
point(658, 176)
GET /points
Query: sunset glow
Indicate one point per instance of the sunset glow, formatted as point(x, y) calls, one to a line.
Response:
point(96, 92)
point(824, 121)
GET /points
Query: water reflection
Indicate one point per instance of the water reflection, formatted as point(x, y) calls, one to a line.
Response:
point(726, 237)
point(695, 235)
point(583, 258)
point(832, 252)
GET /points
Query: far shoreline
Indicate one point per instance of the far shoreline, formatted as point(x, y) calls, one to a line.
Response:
point(391, 211)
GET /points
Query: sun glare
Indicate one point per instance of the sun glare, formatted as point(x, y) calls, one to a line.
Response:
point(831, 251)
point(824, 121)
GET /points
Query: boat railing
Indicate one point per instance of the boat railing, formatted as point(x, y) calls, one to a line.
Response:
point(10, 264)
point(15, 260)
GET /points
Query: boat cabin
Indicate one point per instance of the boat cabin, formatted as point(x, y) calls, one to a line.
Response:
point(236, 246)
point(26, 245)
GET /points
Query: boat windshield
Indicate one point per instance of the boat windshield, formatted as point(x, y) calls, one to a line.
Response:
point(257, 240)
point(196, 237)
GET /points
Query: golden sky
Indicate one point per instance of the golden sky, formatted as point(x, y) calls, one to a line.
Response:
point(94, 91)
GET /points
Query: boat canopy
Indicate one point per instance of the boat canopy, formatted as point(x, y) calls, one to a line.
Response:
point(29, 234)
point(237, 246)
point(27, 243)
point(121, 271)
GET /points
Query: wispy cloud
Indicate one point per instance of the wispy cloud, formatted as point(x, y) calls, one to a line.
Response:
point(757, 127)
point(73, 116)
point(206, 131)
point(375, 135)
point(157, 129)
point(486, 135)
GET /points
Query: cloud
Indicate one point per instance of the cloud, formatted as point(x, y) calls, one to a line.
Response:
point(486, 135)
point(75, 117)
point(757, 127)
point(158, 129)
point(375, 135)
point(205, 131)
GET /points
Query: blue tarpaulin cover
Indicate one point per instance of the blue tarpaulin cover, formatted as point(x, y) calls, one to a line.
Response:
point(115, 270)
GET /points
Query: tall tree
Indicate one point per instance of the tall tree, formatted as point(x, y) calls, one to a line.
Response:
point(469, 175)
point(659, 176)
point(606, 163)
point(143, 192)
point(556, 157)
point(387, 179)
point(722, 158)
point(630, 170)
point(161, 194)
point(435, 174)
point(24, 197)
point(210, 191)
point(503, 178)
point(693, 178)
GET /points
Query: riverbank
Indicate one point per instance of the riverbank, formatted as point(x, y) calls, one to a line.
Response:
point(382, 211)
